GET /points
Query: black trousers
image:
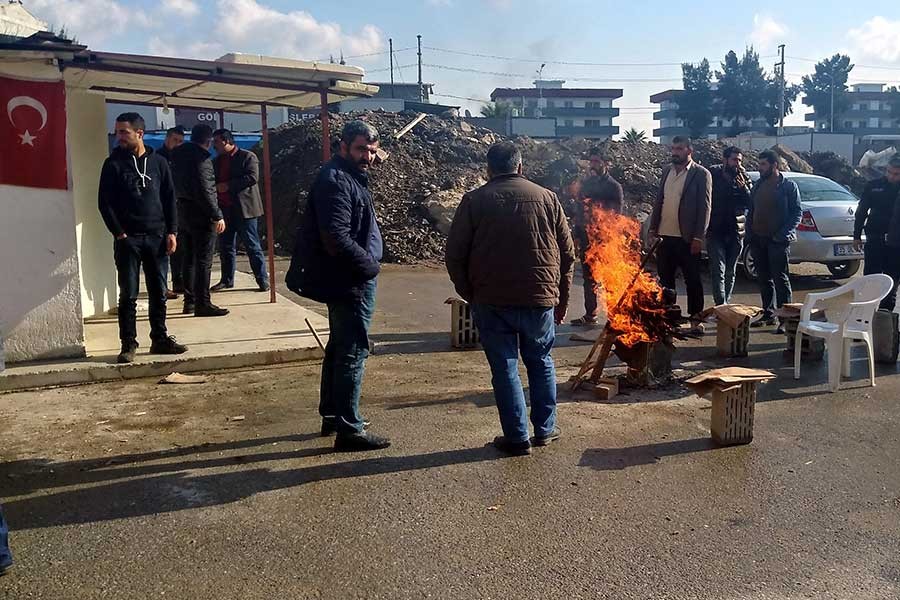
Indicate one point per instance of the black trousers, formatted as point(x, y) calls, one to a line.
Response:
point(673, 254)
point(130, 255)
point(881, 258)
point(198, 245)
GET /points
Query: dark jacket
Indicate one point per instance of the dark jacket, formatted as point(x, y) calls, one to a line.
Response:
point(730, 200)
point(787, 200)
point(195, 185)
point(695, 206)
point(509, 245)
point(876, 208)
point(165, 153)
point(338, 242)
point(601, 191)
point(243, 180)
point(136, 194)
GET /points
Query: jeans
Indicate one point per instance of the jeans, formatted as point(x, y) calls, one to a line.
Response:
point(198, 245)
point(674, 254)
point(345, 360)
point(505, 332)
point(130, 254)
point(771, 260)
point(881, 258)
point(235, 225)
point(5, 554)
point(723, 255)
point(176, 265)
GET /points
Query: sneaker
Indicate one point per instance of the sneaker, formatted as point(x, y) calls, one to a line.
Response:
point(512, 448)
point(210, 310)
point(170, 295)
point(221, 286)
point(585, 321)
point(544, 440)
point(167, 345)
point(329, 427)
point(764, 322)
point(127, 353)
point(188, 308)
point(262, 286)
point(780, 329)
point(360, 442)
point(5, 568)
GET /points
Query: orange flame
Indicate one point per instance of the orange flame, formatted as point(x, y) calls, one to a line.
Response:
point(614, 257)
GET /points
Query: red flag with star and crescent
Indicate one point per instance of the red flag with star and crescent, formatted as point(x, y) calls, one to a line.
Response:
point(33, 133)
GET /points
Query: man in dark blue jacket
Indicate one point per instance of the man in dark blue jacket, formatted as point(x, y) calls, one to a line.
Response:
point(137, 202)
point(336, 261)
point(6, 560)
point(775, 213)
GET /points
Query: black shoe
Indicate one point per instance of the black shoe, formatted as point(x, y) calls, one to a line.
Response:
point(188, 309)
point(4, 569)
point(167, 345)
point(210, 310)
point(546, 439)
point(263, 286)
point(170, 295)
point(127, 353)
point(360, 442)
point(764, 322)
point(177, 288)
point(513, 448)
point(329, 427)
point(221, 286)
point(780, 329)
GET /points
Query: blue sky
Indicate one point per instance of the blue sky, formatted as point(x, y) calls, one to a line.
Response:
point(524, 30)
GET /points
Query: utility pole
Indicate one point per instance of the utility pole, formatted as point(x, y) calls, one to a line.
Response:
point(831, 127)
point(780, 67)
point(421, 88)
point(391, 52)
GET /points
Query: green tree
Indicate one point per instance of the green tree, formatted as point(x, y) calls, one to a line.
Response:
point(634, 137)
point(742, 87)
point(695, 104)
point(894, 100)
point(496, 111)
point(817, 86)
point(773, 98)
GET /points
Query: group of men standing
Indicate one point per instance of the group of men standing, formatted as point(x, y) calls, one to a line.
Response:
point(173, 205)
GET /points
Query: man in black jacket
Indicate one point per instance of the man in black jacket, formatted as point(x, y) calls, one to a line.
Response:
point(198, 211)
point(730, 199)
point(875, 214)
point(174, 138)
point(336, 261)
point(237, 177)
point(137, 202)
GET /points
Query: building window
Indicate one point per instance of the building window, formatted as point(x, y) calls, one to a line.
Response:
point(551, 104)
point(592, 123)
point(875, 105)
point(570, 123)
point(568, 104)
point(863, 106)
point(848, 124)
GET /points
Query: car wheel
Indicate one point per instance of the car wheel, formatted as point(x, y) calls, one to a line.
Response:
point(844, 270)
point(748, 267)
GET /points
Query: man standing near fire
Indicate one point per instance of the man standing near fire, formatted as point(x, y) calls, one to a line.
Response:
point(880, 202)
point(680, 218)
point(598, 191)
point(730, 199)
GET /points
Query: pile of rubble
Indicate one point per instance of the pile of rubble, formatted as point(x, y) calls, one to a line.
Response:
point(419, 185)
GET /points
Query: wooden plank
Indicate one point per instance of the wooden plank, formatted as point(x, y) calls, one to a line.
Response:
point(412, 124)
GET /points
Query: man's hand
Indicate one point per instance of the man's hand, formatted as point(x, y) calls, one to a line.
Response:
point(171, 244)
point(858, 245)
point(652, 237)
point(121, 236)
point(222, 187)
point(559, 313)
point(696, 247)
point(220, 225)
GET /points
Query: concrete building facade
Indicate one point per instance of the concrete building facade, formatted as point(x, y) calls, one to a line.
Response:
point(579, 112)
point(670, 125)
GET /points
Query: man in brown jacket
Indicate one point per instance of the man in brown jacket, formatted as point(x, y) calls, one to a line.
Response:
point(680, 217)
point(510, 254)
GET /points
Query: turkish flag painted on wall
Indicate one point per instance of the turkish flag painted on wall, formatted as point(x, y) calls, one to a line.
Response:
point(33, 133)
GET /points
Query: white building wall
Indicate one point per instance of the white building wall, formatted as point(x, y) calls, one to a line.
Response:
point(40, 293)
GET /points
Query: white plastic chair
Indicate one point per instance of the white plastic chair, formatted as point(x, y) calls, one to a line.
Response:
point(853, 322)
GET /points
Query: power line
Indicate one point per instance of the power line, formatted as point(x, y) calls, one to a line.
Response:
point(809, 60)
point(551, 62)
point(527, 76)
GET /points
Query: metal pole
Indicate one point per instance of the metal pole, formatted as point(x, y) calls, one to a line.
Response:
point(421, 89)
point(326, 133)
point(831, 128)
point(781, 97)
point(391, 52)
point(267, 183)
point(222, 118)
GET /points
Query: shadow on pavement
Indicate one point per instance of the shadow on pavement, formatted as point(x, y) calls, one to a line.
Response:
point(615, 459)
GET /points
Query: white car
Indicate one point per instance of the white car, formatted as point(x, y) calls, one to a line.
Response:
point(825, 234)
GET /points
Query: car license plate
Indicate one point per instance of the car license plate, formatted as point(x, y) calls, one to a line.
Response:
point(846, 250)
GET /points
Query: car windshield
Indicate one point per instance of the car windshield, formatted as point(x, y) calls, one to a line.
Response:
point(820, 189)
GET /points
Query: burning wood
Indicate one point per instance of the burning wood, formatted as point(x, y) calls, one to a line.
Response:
point(640, 313)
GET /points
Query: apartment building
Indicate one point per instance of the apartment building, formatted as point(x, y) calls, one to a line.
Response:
point(720, 127)
point(869, 113)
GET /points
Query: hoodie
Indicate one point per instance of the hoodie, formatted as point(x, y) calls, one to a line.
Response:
point(137, 195)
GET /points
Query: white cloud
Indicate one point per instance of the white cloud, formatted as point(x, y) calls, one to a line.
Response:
point(878, 38)
point(91, 21)
point(183, 8)
point(169, 46)
point(295, 34)
point(766, 32)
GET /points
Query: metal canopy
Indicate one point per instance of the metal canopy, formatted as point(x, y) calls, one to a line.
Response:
point(235, 82)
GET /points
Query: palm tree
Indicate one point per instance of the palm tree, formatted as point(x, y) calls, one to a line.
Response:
point(634, 137)
point(495, 111)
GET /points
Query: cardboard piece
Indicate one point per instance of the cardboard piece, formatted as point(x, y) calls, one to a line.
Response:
point(732, 314)
point(726, 379)
point(179, 378)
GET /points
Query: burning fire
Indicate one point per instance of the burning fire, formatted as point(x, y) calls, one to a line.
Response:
point(635, 311)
